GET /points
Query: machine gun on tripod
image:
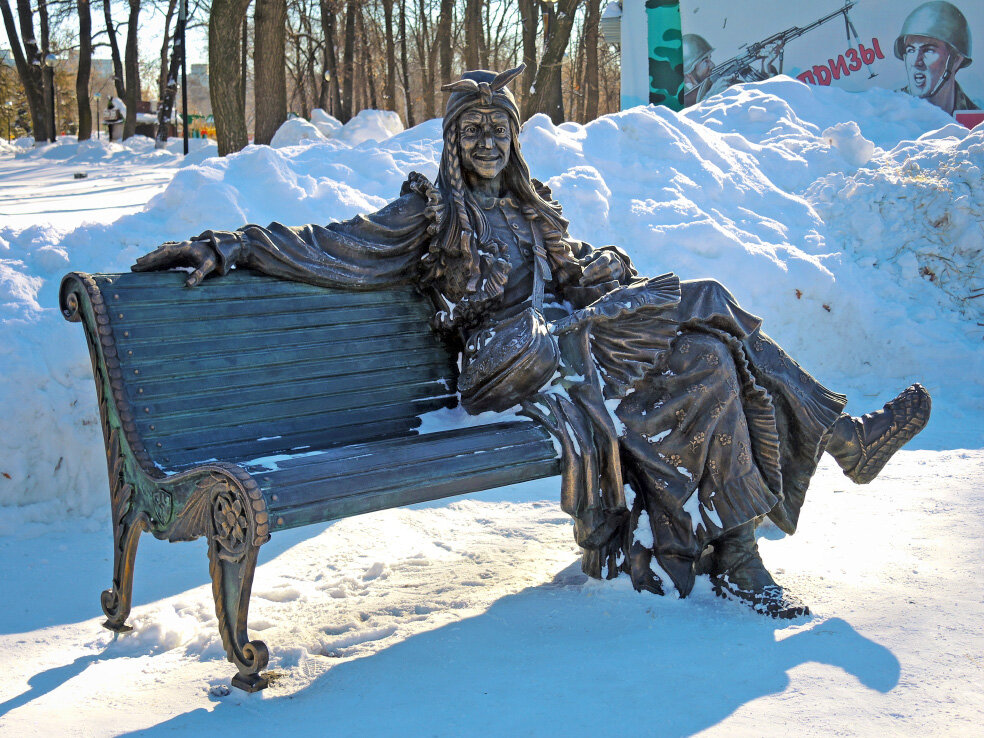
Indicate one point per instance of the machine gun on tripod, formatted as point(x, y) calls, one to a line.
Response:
point(769, 53)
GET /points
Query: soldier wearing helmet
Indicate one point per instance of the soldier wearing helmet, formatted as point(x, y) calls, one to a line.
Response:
point(697, 66)
point(699, 78)
point(934, 44)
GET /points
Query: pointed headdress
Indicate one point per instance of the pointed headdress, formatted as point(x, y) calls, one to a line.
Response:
point(482, 88)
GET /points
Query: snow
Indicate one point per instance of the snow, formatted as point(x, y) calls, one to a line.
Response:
point(851, 223)
point(373, 126)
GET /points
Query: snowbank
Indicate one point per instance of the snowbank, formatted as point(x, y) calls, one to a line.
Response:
point(789, 194)
point(372, 126)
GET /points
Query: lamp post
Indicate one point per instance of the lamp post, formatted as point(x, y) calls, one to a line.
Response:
point(98, 114)
point(49, 62)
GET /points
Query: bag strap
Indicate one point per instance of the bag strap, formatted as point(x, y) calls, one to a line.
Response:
point(541, 267)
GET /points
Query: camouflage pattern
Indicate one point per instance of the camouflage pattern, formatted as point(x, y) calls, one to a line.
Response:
point(665, 53)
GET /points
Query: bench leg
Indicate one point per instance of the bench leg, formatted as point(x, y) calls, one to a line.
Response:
point(232, 553)
point(128, 524)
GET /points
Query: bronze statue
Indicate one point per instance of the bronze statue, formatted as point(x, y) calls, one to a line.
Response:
point(668, 386)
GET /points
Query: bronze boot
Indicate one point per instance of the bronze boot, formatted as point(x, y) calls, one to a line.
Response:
point(737, 572)
point(862, 446)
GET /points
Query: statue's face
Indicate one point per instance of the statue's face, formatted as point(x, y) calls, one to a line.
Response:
point(485, 141)
point(925, 62)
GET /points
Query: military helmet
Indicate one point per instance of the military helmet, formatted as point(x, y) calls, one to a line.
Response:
point(695, 50)
point(939, 20)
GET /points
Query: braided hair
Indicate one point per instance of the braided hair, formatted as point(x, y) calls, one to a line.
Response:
point(466, 262)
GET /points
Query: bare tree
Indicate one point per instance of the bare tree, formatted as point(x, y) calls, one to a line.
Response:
point(442, 40)
point(28, 62)
point(114, 50)
point(591, 64)
point(132, 71)
point(269, 70)
point(474, 34)
point(547, 94)
point(225, 74)
point(85, 66)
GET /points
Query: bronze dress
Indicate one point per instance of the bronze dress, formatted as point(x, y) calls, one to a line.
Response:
point(713, 423)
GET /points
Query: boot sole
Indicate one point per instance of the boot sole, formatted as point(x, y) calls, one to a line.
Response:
point(775, 604)
point(917, 404)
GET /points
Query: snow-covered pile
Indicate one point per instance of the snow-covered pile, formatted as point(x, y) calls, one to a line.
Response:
point(744, 188)
point(368, 125)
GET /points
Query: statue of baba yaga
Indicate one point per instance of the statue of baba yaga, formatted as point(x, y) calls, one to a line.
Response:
point(668, 386)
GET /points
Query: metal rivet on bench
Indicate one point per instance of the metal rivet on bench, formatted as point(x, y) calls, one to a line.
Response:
point(280, 521)
point(146, 409)
point(130, 352)
point(120, 315)
point(116, 297)
point(160, 445)
point(274, 497)
point(140, 391)
point(153, 427)
point(126, 334)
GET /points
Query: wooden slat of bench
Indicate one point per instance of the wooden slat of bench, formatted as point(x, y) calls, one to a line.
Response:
point(387, 474)
point(168, 287)
point(287, 373)
point(142, 312)
point(318, 430)
point(208, 338)
point(335, 462)
point(191, 427)
point(388, 350)
point(190, 402)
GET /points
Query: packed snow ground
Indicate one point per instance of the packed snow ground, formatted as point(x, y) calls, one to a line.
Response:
point(852, 223)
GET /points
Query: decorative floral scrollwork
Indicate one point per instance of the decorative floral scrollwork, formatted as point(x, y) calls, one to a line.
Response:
point(231, 525)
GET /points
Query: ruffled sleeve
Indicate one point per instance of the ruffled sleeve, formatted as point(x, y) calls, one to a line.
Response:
point(366, 252)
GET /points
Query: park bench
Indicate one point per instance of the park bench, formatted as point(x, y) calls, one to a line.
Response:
point(250, 405)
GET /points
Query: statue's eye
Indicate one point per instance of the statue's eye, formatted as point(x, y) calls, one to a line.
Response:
point(471, 130)
point(500, 131)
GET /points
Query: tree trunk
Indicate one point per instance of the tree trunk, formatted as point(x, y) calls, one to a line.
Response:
point(328, 11)
point(28, 63)
point(166, 104)
point(547, 96)
point(269, 72)
point(592, 19)
point(244, 63)
point(348, 63)
point(390, 91)
point(442, 40)
point(426, 68)
point(474, 34)
point(165, 47)
point(114, 50)
point(132, 61)
point(527, 11)
point(226, 81)
point(367, 65)
point(404, 64)
point(48, 78)
point(85, 65)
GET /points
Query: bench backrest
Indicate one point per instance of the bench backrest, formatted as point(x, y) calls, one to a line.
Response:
point(247, 365)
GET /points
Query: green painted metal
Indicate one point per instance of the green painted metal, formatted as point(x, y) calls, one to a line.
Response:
point(665, 53)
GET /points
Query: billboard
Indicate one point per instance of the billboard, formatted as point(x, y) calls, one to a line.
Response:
point(921, 48)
